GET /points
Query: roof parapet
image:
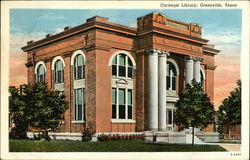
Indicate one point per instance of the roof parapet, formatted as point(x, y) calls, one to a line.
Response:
point(98, 19)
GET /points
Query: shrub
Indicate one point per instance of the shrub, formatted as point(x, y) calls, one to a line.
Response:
point(87, 134)
point(114, 137)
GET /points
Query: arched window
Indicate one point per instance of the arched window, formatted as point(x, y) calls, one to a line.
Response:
point(171, 76)
point(79, 68)
point(58, 72)
point(122, 87)
point(40, 74)
point(122, 66)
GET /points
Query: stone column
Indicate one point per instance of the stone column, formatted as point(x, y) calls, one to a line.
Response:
point(152, 89)
point(197, 64)
point(162, 65)
point(189, 69)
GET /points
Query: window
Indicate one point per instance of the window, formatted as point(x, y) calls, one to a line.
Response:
point(171, 76)
point(79, 102)
point(79, 68)
point(122, 88)
point(58, 72)
point(122, 104)
point(40, 74)
point(122, 66)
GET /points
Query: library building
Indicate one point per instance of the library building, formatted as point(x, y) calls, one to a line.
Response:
point(120, 79)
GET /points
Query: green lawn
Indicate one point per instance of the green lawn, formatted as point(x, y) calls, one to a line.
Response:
point(107, 146)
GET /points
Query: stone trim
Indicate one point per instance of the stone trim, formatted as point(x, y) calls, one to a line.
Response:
point(122, 121)
point(54, 61)
point(38, 63)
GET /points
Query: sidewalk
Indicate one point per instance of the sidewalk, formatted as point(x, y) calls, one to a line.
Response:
point(230, 147)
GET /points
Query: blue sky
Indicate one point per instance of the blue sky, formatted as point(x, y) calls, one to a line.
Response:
point(221, 27)
point(48, 20)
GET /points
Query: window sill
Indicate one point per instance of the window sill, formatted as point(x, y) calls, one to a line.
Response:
point(122, 121)
point(78, 121)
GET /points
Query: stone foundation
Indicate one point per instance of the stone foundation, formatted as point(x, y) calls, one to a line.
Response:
point(165, 137)
point(208, 136)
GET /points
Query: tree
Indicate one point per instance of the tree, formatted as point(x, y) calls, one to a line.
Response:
point(43, 108)
point(19, 113)
point(194, 108)
point(229, 112)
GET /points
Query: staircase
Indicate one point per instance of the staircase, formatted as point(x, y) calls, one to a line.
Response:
point(196, 139)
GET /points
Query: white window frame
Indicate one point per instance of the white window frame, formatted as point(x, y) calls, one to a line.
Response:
point(126, 83)
point(56, 73)
point(76, 105)
point(126, 67)
point(79, 83)
point(126, 105)
point(171, 76)
point(36, 68)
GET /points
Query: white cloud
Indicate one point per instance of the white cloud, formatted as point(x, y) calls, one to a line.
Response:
point(226, 40)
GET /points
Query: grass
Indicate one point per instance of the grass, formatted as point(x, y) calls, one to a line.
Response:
point(107, 146)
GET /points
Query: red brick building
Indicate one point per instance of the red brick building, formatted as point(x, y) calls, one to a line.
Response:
point(122, 79)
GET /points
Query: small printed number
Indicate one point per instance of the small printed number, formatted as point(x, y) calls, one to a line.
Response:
point(235, 154)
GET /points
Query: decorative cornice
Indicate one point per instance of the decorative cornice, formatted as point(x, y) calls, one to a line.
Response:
point(196, 59)
point(157, 51)
point(67, 54)
point(211, 67)
point(189, 58)
point(47, 59)
point(29, 64)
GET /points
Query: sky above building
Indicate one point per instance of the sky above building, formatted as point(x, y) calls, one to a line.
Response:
point(221, 27)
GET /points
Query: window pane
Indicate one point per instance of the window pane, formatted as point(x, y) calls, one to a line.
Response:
point(41, 70)
point(130, 62)
point(122, 59)
point(122, 71)
point(79, 112)
point(130, 112)
point(114, 70)
point(114, 111)
point(79, 96)
point(75, 103)
point(113, 96)
point(114, 62)
point(79, 72)
point(84, 96)
point(173, 83)
point(121, 111)
point(129, 97)
point(121, 96)
point(130, 72)
point(59, 65)
point(59, 76)
point(79, 60)
point(168, 82)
